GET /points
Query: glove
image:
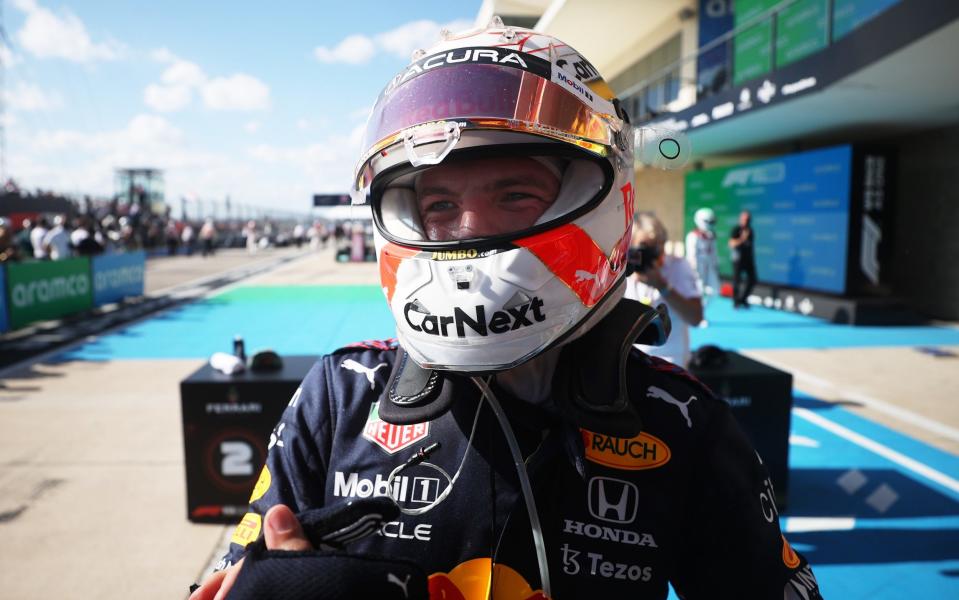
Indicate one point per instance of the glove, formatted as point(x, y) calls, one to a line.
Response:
point(330, 573)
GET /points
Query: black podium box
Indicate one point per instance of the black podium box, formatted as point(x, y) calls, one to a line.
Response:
point(761, 398)
point(227, 421)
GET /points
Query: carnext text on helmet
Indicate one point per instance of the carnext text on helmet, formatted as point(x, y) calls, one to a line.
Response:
point(501, 321)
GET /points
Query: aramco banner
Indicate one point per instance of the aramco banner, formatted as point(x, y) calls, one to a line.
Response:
point(48, 290)
point(4, 323)
point(117, 276)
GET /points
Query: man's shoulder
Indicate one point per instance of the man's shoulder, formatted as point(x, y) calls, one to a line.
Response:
point(654, 368)
point(670, 398)
point(367, 349)
point(370, 360)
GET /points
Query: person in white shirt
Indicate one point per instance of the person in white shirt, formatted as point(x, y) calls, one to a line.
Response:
point(660, 278)
point(249, 232)
point(37, 234)
point(57, 241)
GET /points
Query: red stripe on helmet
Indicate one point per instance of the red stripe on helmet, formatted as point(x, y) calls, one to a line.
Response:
point(391, 256)
point(575, 259)
point(573, 256)
point(629, 201)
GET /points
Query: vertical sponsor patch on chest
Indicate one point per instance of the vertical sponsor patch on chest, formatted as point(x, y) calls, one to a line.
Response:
point(644, 451)
point(390, 437)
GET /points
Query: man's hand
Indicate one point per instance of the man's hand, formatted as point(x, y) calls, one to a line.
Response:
point(282, 532)
point(653, 277)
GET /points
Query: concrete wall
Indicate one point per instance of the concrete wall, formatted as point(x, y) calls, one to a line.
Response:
point(662, 192)
point(926, 265)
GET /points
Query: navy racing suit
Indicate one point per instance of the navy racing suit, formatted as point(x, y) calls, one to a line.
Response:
point(686, 501)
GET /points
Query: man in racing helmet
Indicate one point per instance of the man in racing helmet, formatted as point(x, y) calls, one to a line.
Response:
point(702, 254)
point(531, 450)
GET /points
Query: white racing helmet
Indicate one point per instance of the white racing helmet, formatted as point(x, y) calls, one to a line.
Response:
point(705, 219)
point(490, 303)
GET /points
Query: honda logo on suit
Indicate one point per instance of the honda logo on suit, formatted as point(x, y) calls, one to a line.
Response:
point(613, 500)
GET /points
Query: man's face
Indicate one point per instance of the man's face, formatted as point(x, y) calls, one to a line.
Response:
point(641, 237)
point(744, 218)
point(483, 197)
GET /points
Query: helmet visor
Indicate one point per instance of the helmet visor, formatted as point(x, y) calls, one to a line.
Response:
point(485, 95)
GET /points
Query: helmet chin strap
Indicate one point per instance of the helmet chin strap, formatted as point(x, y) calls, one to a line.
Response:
point(532, 381)
point(584, 379)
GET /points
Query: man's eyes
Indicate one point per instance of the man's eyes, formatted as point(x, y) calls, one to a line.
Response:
point(515, 196)
point(508, 197)
point(437, 205)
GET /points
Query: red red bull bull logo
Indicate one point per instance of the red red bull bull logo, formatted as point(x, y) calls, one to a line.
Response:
point(479, 579)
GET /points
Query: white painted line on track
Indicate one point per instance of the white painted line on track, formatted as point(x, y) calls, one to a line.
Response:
point(801, 440)
point(803, 524)
point(907, 416)
point(877, 448)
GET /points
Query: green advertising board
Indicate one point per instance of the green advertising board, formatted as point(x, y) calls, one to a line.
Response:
point(800, 31)
point(48, 290)
point(752, 56)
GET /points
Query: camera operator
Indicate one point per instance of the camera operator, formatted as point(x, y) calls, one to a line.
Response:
point(657, 278)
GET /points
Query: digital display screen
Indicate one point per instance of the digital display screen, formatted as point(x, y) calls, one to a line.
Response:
point(800, 215)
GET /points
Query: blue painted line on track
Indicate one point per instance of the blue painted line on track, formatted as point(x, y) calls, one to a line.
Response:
point(310, 321)
point(759, 328)
point(905, 539)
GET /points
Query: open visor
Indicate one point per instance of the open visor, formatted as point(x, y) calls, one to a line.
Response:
point(483, 96)
point(494, 197)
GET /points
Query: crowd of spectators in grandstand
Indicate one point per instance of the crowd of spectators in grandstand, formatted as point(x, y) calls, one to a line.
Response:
point(93, 227)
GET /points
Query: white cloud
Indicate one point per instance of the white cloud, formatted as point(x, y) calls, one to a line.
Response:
point(353, 50)
point(327, 165)
point(361, 113)
point(237, 92)
point(179, 81)
point(163, 55)
point(145, 130)
point(182, 77)
point(29, 97)
point(303, 124)
point(25, 5)
point(283, 177)
point(167, 98)
point(144, 133)
point(252, 126)
point(183, 72)
point(82, 162)
point(406, 38)
point(48, 35)
point(401, 42)
point(7, 57)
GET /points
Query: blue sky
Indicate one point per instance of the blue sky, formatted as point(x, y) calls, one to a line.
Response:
point(264, 103)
